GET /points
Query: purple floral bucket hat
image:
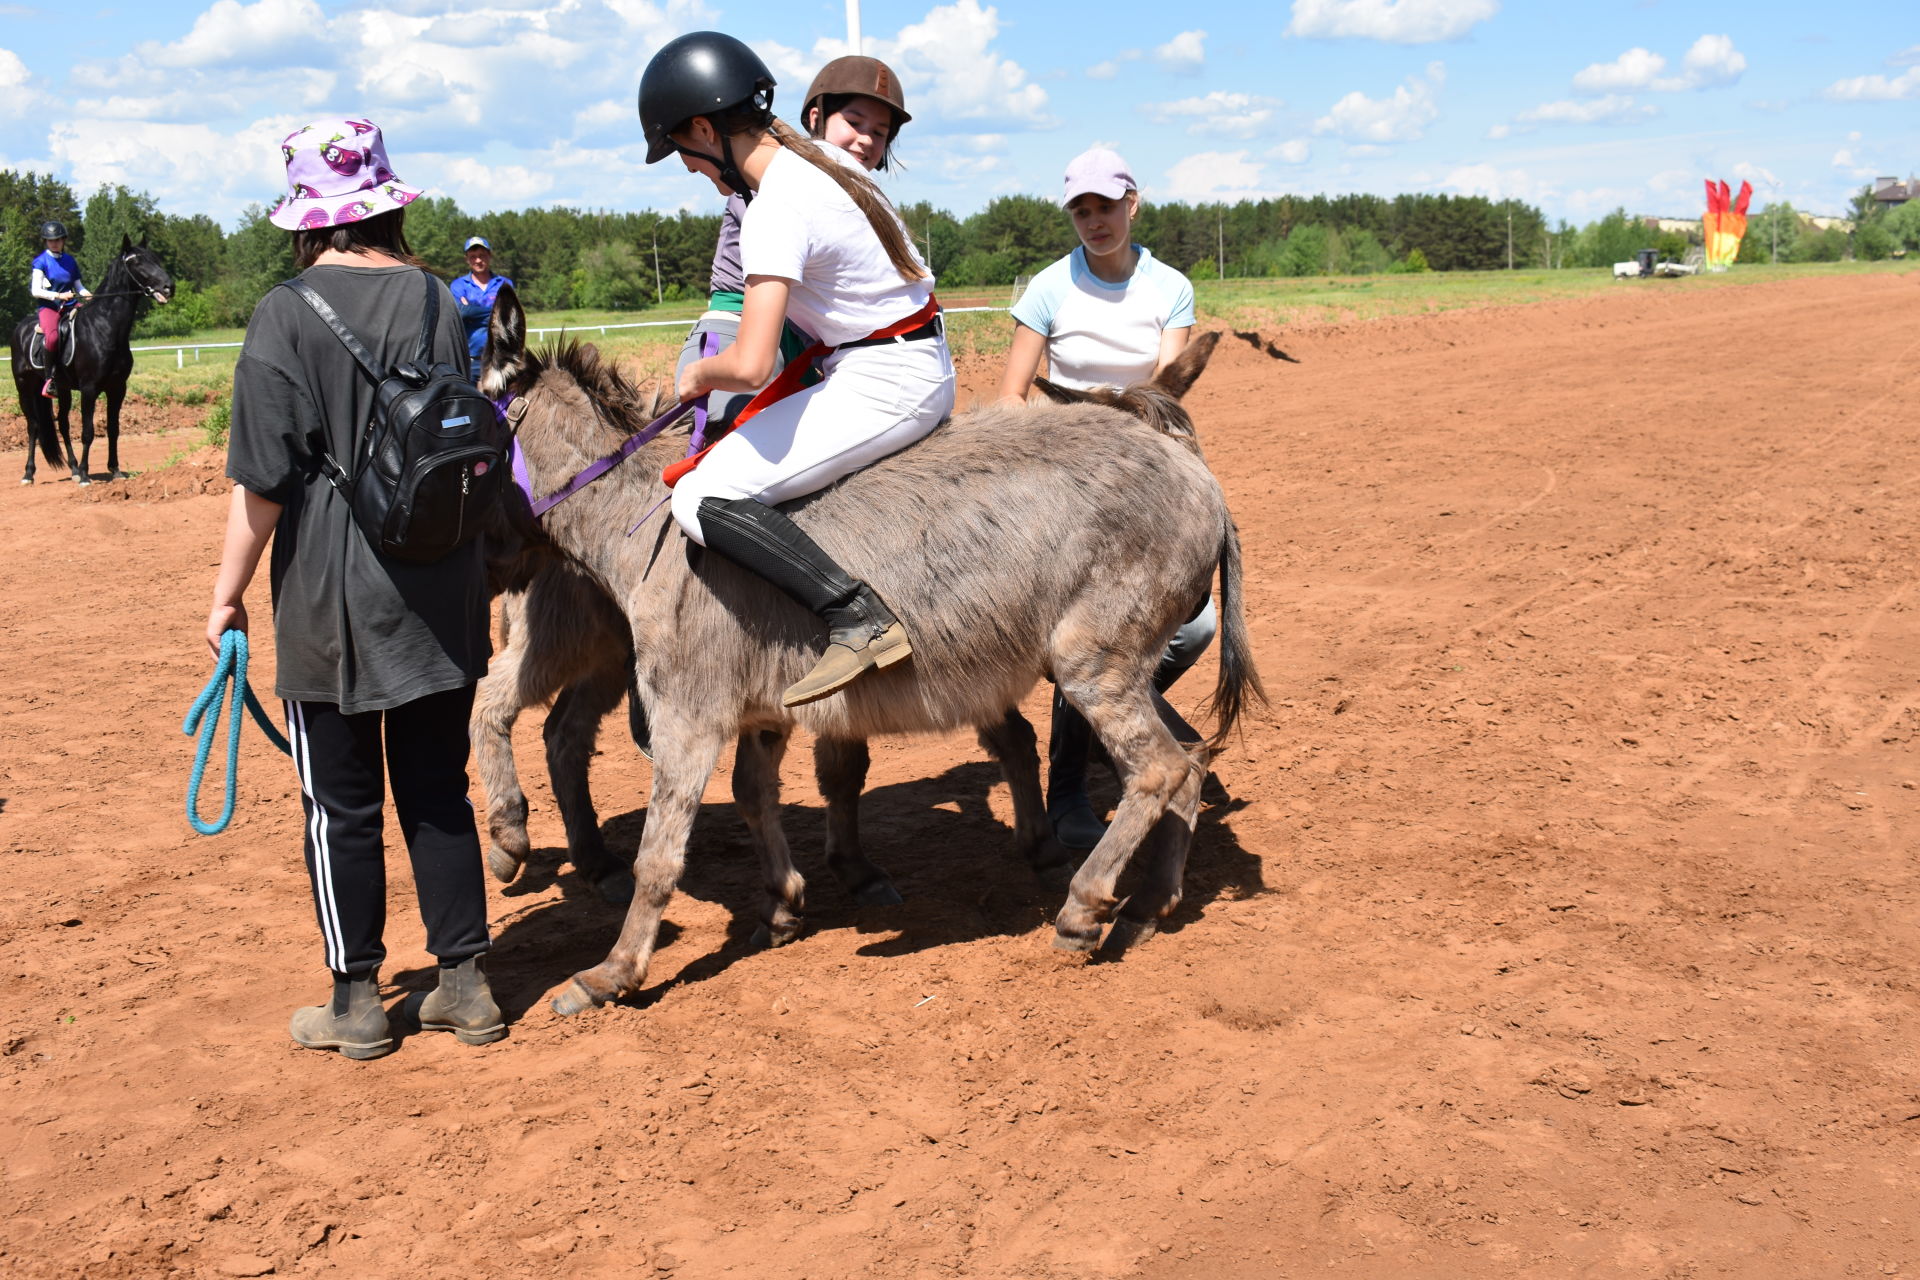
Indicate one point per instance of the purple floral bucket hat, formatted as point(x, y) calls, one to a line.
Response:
point(337, 172)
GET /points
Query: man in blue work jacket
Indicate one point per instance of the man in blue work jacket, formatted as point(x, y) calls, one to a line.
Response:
point(475, 293)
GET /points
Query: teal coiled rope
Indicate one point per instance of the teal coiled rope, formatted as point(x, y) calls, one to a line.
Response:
point(204, 717)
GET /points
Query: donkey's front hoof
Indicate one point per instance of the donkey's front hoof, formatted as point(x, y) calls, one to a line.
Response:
point(575, 998)
point(615, 888)
point(767, 937)
point(504, 866)
point(1075, 935)
point(877, 893)
point(1127, 934)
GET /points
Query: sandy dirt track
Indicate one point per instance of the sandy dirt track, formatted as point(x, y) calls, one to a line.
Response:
point(1562, 921)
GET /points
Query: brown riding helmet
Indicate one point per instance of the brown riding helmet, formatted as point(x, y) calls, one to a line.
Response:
point(868, 77)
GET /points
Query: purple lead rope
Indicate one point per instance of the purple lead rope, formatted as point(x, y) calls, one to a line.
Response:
point(597, 468)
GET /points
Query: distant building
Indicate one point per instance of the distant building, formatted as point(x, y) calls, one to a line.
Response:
point(1689, 227)
point(1888, 192)
point(1824, 222)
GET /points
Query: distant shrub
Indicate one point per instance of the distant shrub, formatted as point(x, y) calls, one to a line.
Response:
point(214, 427)
point(1414, 263)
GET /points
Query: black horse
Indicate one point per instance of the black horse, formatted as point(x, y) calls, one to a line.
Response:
point(101, 362)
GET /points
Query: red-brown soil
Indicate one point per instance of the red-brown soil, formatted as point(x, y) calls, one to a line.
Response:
point(1562, 921)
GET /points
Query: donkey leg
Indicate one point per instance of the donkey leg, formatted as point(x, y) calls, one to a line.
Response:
point(1011, 741)
point(687, 754)
point(840, 767)
point(496, 705)
point(1155, 769)
point(571, 729)
point(1166, 847)
point(756, 790)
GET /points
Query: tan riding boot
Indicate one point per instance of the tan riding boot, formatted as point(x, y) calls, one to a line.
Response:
point(352, 1022)
point(862, 633)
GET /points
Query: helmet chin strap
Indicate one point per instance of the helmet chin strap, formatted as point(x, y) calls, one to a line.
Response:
point(730, 174)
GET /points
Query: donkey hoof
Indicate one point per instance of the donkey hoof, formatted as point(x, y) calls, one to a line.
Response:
point(615, 888)
point(1127, 934)
point(502, 864)
point(878, 893)
point(767, 937)
point(1067, 938)
point(574, 998)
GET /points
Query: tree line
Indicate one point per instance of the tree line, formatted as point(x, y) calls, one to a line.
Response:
point(565, 258)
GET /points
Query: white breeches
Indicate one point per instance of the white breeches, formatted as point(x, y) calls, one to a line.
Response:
point(875, 401)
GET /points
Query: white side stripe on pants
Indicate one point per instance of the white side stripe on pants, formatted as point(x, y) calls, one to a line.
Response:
point(336, 946)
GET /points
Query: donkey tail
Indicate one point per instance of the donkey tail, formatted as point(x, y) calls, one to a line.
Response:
point(1238, 680)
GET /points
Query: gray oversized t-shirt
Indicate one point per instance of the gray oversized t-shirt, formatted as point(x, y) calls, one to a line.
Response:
point(351, 626)
point(726, 276)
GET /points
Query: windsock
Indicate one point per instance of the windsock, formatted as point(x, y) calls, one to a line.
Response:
point(1726, 222)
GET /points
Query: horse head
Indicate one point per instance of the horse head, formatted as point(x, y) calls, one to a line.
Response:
point(1155, 402)
point(146, 269)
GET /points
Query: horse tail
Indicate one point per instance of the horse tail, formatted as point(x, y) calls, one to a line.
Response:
point(1238, 680)
point(40, 429)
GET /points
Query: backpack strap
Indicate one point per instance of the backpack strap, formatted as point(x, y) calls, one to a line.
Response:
point(327, 314)
point(429, 319)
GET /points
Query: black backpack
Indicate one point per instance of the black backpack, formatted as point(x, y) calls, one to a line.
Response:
point(429, 465)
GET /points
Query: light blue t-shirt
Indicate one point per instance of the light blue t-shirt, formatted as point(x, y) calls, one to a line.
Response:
point(1101, 333)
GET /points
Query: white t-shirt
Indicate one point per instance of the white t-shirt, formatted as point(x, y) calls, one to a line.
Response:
point(1102, 334)
point(802, 227)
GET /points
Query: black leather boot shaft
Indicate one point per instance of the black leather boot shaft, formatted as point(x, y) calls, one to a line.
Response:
point(764, 540)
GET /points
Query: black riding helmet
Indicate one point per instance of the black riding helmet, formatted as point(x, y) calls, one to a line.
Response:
point(700, 74)
point(53, 231)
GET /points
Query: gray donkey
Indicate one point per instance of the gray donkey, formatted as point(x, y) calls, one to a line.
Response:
point(1063, 538)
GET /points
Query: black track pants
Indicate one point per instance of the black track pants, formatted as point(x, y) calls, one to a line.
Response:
point(342, 782)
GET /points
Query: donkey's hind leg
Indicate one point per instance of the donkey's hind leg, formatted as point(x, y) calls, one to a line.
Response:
point(570, 732)
point(1155, 770)
point(1011, 741)
point(1166, 849)
point(756, 790)
point(497, 703)
point(840, 767)
point(684, 760)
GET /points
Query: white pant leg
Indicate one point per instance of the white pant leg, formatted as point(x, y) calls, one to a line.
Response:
point(875, 401)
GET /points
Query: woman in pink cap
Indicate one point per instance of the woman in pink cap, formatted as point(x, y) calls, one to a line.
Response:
point(377, 658)
point(1107, 314)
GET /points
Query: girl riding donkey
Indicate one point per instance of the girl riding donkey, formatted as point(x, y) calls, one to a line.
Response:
point(57, 288)
point(820, 243)
point(1107, 314)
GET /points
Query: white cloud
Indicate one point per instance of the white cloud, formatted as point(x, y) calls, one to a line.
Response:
point(1612, 109)
point(1493, 183)
point(1111, 67)
point(1400, 118)
point(1395, 21)
point(1711, 62)
point(1908, 57)
point(1233, 115)
point(1186, 53)
point(478, 186)
point(196, 166)
point(1634, 69)
point(235, 34)
point(1215, 175)
point(948, 66)
point(1876, 88)
point(1293, 151)
point(1757, 174)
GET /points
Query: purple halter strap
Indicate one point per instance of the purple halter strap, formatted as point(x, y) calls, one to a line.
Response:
point(593, 470)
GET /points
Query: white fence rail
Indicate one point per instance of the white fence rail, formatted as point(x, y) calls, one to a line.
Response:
point(180, 352)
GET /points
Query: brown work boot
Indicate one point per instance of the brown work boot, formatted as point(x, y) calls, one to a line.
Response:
point(463, 1004)
point(850, 651)
point(352, 1022)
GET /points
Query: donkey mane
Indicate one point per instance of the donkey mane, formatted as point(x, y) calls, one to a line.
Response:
point(626, 406)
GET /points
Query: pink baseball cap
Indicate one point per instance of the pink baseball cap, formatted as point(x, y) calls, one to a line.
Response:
point(337, 172)
point(1100, 171)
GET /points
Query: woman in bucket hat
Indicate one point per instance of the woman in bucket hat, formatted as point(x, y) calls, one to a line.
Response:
point(376, 657)
point(1107, 314)
point(56, 288)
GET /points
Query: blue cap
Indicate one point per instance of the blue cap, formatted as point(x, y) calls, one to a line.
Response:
point(478, 242)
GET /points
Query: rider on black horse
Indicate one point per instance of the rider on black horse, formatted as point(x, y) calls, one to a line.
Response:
point(57, 287)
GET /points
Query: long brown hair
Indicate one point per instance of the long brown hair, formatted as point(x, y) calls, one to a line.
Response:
point(862, 191)
point(383, 233)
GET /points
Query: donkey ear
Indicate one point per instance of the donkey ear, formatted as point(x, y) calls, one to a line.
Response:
point(506, 354)
point(1059, 394)
point(1179, 376)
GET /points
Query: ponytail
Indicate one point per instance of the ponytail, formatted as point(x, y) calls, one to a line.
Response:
point(864, 194)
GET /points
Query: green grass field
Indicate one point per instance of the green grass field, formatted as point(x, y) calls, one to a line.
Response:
point(1244, 304)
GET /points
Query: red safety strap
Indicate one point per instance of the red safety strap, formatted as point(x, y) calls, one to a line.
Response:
point(789, 381)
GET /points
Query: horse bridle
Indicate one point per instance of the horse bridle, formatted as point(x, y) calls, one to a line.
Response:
point(145, 288)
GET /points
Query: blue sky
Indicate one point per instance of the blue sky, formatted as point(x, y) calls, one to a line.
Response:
point(1577, 106)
